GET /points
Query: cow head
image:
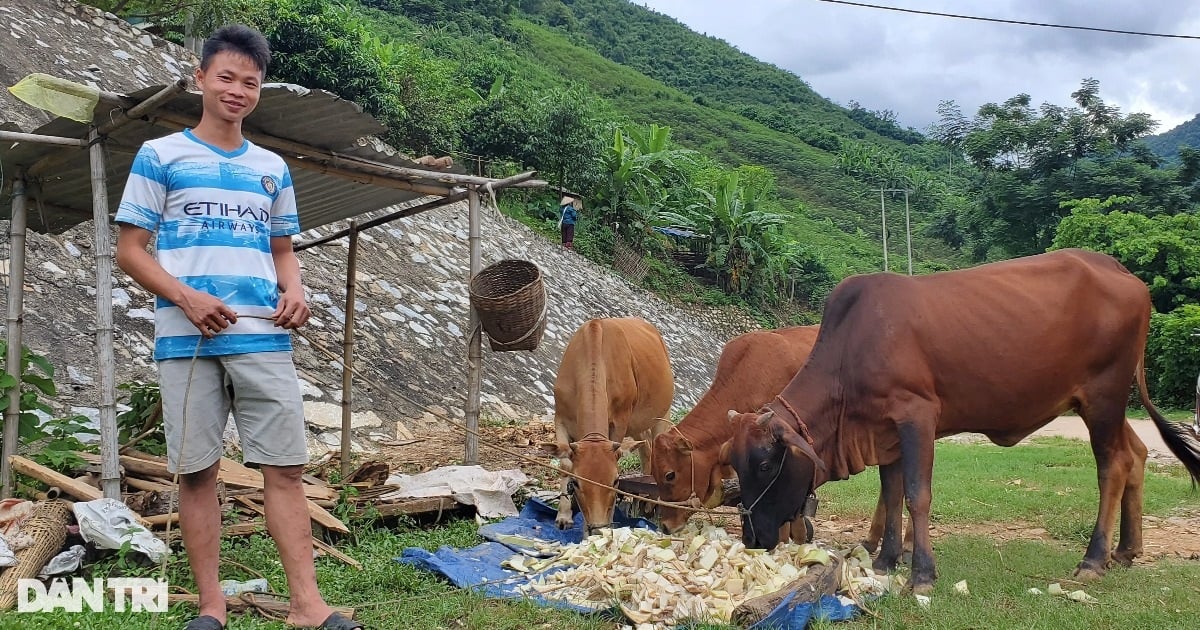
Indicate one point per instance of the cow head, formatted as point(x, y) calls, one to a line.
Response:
point(594, 458)
point(776, 469)
point(679, 472)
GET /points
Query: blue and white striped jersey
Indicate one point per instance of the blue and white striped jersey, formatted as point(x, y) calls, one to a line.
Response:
point(214, 213)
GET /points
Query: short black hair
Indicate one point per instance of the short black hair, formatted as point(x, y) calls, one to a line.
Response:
point(240, 39)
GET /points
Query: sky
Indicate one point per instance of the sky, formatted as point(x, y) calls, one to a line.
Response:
point(907, 63)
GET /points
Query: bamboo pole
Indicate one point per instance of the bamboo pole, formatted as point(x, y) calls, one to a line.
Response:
point(16, 299)
point(515, 180)
point(428, 205)
point(366, 178)
point(110, 471)
point(17, 136)
point(313, 159)
point(475, 338)
point(348, 349)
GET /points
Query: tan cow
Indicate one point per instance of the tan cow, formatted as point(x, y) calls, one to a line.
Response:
point(615, 383)
point(753, 368)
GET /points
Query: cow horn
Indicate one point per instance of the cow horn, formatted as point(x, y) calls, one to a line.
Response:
point(765, 418)
point(732, 414)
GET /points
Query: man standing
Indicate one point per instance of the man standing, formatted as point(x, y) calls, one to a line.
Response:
point(228, 287)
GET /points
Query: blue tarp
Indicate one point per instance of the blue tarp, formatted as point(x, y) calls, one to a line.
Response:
point(479, 566)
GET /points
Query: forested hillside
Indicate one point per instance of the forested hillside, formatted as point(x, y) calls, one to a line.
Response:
point(1167, 144)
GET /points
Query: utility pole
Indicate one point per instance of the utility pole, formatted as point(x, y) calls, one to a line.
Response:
point(907, 226)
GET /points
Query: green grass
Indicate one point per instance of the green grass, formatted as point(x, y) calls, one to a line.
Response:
point(1049, 483)
point(973, 483)
point(1000, 575)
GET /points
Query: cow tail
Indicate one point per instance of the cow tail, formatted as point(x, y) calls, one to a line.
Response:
point(1182, 439)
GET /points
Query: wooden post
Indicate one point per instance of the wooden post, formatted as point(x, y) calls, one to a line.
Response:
point(883, 218)
point(348, 349)
point(908, 231)
point(475, 336)
point(16, 295)
point(110, 475)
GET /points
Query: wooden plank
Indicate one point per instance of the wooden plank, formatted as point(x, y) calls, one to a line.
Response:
point(426, 505)
point(143, 484)
point(68, 485)
point(236, 474)
point(331, 550)
point(160, 520)
point(245, 529)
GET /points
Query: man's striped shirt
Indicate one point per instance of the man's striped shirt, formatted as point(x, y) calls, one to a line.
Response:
point(214, 213)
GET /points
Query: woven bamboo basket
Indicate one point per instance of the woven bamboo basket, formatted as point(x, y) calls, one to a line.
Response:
point(511, 301)
point(48, 528)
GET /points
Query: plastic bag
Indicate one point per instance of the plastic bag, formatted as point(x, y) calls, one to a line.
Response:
point(58, 96)
point(7, 557)
point(65, 562)
point(108, 524)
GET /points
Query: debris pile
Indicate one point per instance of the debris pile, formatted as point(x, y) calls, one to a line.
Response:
point(698, 575)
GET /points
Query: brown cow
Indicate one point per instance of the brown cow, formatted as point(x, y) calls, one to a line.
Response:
point(614, 381)
point(753, 368)
point(999, 349)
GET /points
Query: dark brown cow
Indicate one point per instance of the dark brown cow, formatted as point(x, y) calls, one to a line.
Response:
point(753, 368)
point(615, 381)
point(999, 349)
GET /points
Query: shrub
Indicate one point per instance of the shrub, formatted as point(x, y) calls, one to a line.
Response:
point(1173, 357)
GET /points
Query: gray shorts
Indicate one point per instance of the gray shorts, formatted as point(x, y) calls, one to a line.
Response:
point(262, 391)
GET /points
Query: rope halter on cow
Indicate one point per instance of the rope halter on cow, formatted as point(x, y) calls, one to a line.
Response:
point(745, 512)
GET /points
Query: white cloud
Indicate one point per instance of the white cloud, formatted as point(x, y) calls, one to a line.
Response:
point(907, 63)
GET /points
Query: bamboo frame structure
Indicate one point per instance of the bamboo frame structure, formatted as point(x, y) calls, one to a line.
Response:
point(475, 334)
point(122, 110)
point(110, 471)
point(16, 309)
point(348, 350)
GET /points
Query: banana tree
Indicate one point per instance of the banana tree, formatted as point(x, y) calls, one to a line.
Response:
point(635, 194)
point(741, 234)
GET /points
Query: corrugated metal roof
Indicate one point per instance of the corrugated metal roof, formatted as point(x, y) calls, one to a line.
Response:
point(313, 118)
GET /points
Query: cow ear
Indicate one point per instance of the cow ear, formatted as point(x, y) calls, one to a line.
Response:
point(798, 445)
point(554, 449)
point(626, 445)
point(763, 419)
point(723, 455)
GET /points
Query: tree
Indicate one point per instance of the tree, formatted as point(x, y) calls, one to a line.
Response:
point(1031, 159)
point(1162, 250)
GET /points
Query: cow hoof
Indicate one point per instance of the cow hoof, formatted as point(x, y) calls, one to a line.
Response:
point(870, 545)
point(1125, 558)
point(922, 589)
point(564, 523)
point(1085, 574)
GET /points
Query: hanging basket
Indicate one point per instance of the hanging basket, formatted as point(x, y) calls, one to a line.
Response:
point(511, 302)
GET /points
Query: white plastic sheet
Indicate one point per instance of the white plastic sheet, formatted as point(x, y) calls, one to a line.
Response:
point(490, 492)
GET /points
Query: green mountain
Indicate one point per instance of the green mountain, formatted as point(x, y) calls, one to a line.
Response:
point(738, 110)
point(1168, 143)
